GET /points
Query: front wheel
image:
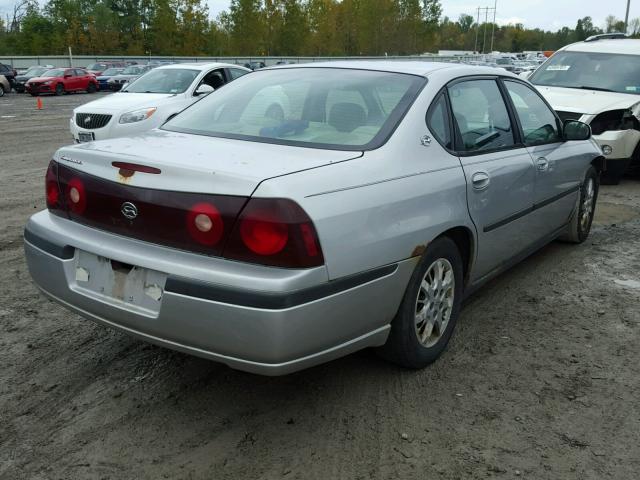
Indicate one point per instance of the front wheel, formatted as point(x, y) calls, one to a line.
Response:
point(580, 225)
point(1, 91)
point(59, 89)
point(430, 308)
point(91, 88)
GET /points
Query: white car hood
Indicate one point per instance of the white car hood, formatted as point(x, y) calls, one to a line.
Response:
point(125, 102)
point(589, 102)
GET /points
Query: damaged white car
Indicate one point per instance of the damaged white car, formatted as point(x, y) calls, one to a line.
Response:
point(598, 82)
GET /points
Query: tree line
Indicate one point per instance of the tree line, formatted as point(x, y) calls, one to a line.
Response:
point(267, 27)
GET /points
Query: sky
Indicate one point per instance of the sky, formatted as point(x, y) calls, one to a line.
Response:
point(545, 14)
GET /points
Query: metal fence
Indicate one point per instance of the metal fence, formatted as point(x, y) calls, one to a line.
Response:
point(84, 60)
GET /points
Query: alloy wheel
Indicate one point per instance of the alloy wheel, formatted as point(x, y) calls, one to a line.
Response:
point(435, 302)
point(587, 204)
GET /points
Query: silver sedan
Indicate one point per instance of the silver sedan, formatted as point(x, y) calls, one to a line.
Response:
point(308, 211)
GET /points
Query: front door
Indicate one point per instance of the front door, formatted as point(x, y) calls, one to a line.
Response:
point(499, 172)
point(559, 164)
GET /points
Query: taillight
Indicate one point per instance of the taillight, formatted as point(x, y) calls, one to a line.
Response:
point(76, 196)
point(275, 232)
point(205, 224)
point(52, 189)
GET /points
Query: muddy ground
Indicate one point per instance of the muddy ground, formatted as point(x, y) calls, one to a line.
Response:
point(541, 379)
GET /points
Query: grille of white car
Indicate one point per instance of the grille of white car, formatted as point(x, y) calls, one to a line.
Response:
point(92, 121)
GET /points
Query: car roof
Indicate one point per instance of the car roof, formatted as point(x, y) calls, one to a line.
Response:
point(627, 46)
point(199, 66)
point(417, 67)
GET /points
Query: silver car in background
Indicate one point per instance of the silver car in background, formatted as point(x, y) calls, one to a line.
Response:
point(308, 211)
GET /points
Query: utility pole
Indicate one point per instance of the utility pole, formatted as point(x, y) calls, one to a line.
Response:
point(493, 26)
point(626, 17)
point(475, 49)
point(486, 11)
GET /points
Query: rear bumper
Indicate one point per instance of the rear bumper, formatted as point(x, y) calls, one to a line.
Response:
point(286, 320)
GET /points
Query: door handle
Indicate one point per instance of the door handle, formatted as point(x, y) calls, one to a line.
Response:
point(543, 164)
point(480, 180)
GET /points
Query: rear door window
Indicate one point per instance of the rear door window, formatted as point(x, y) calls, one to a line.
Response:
point(438, 121)
point(481, 116)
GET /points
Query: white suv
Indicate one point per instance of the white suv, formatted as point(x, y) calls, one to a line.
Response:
point(598, 82)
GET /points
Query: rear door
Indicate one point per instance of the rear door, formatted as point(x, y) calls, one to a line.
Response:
point(498, 168)
point(559, 164)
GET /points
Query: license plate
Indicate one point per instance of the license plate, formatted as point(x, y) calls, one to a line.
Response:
point(86, 137)
point(133, 287)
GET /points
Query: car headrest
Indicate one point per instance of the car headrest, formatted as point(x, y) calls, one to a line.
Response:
point(346, 117)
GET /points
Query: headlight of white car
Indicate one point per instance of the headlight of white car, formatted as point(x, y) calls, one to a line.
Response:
point(137, 115)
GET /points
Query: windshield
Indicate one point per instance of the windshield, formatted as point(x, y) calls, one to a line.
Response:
point(171, 80)
point(111, 71)
point(317, 107)
point(133, 70)
point(591, 71)
point(35, 71)
point(97, 66)
point(56, 72)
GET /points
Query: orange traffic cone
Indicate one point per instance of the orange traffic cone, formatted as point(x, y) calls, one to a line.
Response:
point(39, 103)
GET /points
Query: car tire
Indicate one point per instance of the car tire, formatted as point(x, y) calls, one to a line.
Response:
point(2, 91)
point(91, 88)
point(430, 308)
point(34, 94)
point(580, 225)
point(59, 89)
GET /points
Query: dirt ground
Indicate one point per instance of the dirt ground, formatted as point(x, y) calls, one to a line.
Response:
point(541, 379)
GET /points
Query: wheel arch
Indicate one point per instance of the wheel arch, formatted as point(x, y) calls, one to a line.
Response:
point(465, 241)
point(599, 163)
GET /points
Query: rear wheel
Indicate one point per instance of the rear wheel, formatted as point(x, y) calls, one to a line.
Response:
point(59, 89)
point(430, 307)
point(580, 225)
point(91, 88)
point(1, 90)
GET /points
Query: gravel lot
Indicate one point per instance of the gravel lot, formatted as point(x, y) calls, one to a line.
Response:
point(541, 379)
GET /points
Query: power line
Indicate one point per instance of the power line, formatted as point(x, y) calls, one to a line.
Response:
point(486, 11)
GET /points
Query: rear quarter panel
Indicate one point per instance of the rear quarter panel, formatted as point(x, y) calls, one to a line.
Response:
point(385, 206)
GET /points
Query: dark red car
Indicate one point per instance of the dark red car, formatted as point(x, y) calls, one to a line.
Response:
point(62, 80)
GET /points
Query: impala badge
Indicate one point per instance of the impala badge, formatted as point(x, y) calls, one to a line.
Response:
point(129, 210)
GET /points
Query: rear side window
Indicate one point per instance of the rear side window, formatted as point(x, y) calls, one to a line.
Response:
point(438, 121)
point(538, 122)
point(481, 116)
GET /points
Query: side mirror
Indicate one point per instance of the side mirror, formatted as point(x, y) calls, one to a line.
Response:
point(67, 75)
point(575, 130)
point(203, 89)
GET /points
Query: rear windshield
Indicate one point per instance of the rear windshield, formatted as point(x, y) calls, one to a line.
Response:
point(316, 107)
point(591, 71)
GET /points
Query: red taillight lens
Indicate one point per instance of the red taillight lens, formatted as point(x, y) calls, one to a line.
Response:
point(263, 234)
point(205, 224)
point(275, 232)
point(76, 196)
point(52, 188)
